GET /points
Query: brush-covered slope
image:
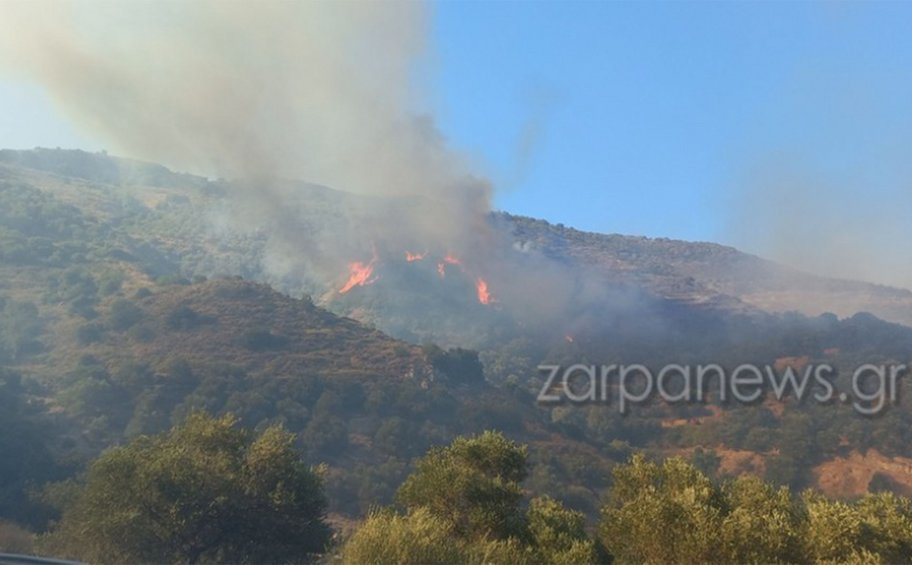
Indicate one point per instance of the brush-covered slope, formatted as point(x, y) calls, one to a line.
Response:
point(179, 223)
point(713, 274)
point(127, 360)
point(97, 255)
point(256, 328)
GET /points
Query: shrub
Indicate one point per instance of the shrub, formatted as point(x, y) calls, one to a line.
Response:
point(124, 315)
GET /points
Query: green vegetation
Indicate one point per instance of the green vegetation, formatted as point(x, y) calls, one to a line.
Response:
point(463, 505)
point(204, 492)
point(20, 329)
point(27, 452)
point(666, 512)
point(419, 537)
point(208, 491)
point(474, 484)
point(122, 315)
point(673, 513)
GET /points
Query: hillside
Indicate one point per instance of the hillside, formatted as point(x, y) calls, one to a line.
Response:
point(257, 329)
point(709, 273)
point(133, 295)
point(184, 218)
point(138, 360)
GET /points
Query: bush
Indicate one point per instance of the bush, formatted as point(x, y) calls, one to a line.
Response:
point(124, 315)
point(20, 327)
point(460, 365)
point(88, 334)
point(142, 293)
point(110, 283)
point(183, 318)
point(27, 440)
point(264, 340)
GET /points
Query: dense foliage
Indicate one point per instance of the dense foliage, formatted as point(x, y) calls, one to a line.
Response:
point(204, 492)
point(667, 512)
point(463, 505)
point(27, 452)
point(673, 513)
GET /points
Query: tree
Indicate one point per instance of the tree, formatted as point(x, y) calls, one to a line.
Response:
point(762, 523)
point(26, 457)
point(460, 365)
point(707, 461)
point(558, 534)
point(419, 537)
point(463, 506)
point(666, 513)
point(877, 528)
point(184, 318)
point(671, 513)
point(206, 491)
point(474, 483)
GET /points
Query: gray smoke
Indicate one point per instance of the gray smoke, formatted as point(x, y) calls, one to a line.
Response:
point(259, 92)
point(824, 181)
point(847, 227)
point(264, 93)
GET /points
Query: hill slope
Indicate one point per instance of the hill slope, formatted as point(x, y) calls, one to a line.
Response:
point(97, 255)
point(180, 223)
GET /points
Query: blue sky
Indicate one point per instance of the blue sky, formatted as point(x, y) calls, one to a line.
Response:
point(653, 116)
point(648, 118)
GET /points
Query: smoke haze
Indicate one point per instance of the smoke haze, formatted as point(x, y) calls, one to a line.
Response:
point(258, 92)
point(847, 228)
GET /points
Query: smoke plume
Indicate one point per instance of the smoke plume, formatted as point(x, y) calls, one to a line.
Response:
point(259, 92)
point(270, 93)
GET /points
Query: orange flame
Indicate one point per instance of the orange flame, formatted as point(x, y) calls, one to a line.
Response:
point(484, 296)
point(410, 257)
point(360, 274)
point(448, 260)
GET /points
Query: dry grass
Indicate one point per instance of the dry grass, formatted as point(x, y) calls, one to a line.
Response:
point(847, 477)
point(15, 539)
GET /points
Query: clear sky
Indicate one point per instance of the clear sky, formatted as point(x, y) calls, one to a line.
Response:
point(646, 118)
point(650, 117)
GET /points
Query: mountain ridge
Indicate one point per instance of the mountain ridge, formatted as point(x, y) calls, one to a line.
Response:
point(700, 273)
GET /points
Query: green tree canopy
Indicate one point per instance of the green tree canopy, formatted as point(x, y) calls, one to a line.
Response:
point(474, 483)
point(672, 513)
point(875, 529)
point(206, 491)
point(661, 513)
point(391, 539)
point(463, 506)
